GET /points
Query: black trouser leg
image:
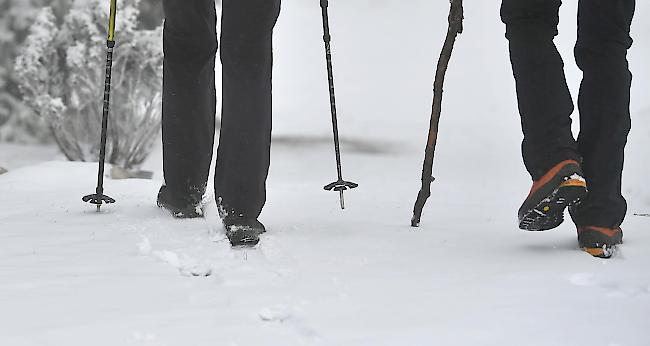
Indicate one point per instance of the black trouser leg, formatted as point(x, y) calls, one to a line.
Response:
point(189, 100)
point(545, 103)
point(604, 102)
point(244, 144)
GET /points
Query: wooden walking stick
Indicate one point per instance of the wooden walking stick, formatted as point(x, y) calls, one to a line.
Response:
point(455, 28)
point(98, 197)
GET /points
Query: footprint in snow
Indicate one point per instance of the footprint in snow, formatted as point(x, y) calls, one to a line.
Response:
point(286, 316)
point(612, 288)
point(277, 313)
point(142, 337)
point(186, 265)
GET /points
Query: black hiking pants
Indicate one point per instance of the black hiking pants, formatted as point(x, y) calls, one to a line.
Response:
point(545, 103)
point(189, 100)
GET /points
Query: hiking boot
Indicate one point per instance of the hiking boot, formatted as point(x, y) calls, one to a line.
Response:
point(240, 230)
point(182, 208)
point(599, 241)
point(562, 186)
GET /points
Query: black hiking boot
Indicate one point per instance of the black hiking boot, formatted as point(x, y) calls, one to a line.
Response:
point(183, 208)
point(599, 241)
point(562, 186)
point(240, 230)
point(243, 232)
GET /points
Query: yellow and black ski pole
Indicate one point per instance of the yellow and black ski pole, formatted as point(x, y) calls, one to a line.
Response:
point(455, 28)
point(98, 197)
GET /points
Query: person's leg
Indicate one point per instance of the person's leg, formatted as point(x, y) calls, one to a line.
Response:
point(545, 103)
point(244, 144)
point(189, 100)
point(604, 102)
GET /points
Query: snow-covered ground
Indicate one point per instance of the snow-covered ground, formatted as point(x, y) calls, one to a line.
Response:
point(321, 276)
point(70, 276)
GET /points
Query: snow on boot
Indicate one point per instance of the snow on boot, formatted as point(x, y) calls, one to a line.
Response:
point(182, 208)
point(242, 231)
point(599, 241)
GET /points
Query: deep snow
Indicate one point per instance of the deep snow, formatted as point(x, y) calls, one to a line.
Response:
point(71, 276)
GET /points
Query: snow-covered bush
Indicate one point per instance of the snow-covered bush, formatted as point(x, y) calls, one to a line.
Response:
point(61, 70)
point(17, 122)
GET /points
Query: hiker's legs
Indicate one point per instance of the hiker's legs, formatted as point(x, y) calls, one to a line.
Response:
point(244, 144)
point(545, 103)
point(604, 104)
point(189, 100)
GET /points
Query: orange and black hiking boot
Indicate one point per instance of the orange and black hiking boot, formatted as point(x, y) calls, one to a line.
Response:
point(562, 186)
point(599, 241)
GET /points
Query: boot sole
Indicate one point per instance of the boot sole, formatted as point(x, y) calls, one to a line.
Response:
point(243, 242)
point(549, 213)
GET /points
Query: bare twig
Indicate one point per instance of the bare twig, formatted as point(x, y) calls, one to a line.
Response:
point(455, 28)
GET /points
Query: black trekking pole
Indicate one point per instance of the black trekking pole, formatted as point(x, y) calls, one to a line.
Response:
point(455, 27)
point(340, 185)
point(98, 197)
